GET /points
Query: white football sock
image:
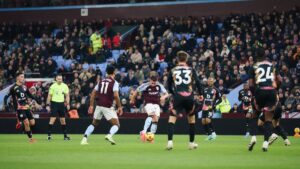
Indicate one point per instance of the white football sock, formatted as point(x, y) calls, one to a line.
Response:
point(89, 130)
point(113, 130)
point(153, 128)
point(147, 124)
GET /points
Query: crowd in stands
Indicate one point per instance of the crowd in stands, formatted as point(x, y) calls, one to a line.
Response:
point(43, 3)
point(222, 48)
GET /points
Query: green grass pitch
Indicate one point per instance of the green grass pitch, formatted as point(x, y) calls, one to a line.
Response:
point(129, 153)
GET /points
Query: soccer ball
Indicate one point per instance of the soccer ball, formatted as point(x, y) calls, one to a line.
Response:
point(297, 130)
point(149, 137)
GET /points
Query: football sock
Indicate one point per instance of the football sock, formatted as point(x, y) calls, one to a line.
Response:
point(253, 126)
point(247, 124)
point(50, 129)
point(64, 129)
point(89, 130)
point(268, 130)
point(113, 130)
point(211, 128)
point(170, 131)
point(147, 124)
point(261, 129)
point(280, 131)
point(29, 134)
point(153, 127)
point(205, 127)
point(192, 132)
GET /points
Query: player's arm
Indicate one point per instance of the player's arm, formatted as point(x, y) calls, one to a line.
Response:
point(163, 93)
point(197, 82)
point(92, 99)
point(67, 96)
point(30, 95)
point(240, 95)
point(117, 98)
point(49, 97)
point(251, 79)
point(170, 83)
point(218, 98)
point(278, 79)
point(136, 92)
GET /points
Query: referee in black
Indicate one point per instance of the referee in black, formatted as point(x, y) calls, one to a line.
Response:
point(58, 102)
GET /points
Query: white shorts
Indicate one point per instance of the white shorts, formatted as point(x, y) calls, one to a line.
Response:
point(109, 113)
point(152, 109)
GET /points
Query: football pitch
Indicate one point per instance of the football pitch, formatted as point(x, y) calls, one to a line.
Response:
point(129, 153)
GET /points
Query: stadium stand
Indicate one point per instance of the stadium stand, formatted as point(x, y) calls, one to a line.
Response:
point(222, 47)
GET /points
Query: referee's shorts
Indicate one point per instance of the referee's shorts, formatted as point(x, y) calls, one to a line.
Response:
point(58, 109)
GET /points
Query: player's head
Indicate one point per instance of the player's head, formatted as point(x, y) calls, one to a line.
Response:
point(110, 70)
point(20, 77)
point(246, 86)
point(153, 78)
point(59, 78)
point(260, 53)
point(210, 81)
point(182, 56)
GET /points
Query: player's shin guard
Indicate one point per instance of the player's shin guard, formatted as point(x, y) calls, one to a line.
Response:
point(280, 131)
point(153, 127)
point(267, 130)
point(170, 131)
point(192, 132)
point(89, 130)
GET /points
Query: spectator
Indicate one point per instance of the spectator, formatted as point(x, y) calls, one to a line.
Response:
point(117, 41)
point(290, 103)
point(130, 79)
point(96, 41)
point(224, 106)
point(234, 109)
point(136, 57)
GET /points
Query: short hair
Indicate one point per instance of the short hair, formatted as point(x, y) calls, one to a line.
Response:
point(260, 53)
point(182, 56)
point(59, 74)
point(110, 70)
point(18, 73)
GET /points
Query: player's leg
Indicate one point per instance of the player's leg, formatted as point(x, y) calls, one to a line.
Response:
point(203, 121)
point(155, 118)
point(31, 120)
point(111, 116)
point(190, 110)
point(248, 121)
point(256, 116)
point(28, 130)
point(115, 125)
point(63, 125)
point(192, 120)
point(280, 131)
point(62, 118)
point(171, 124)
point(150, 111)
point(53, 115)
point(90, 129)
point(176, 108)
point(22, 117)
point(154, 124)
